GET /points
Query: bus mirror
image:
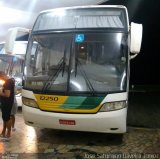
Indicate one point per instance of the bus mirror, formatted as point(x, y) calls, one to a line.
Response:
point(12, 35)
point(136, 38)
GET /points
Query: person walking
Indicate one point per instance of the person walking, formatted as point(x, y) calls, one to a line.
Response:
point(7, 100)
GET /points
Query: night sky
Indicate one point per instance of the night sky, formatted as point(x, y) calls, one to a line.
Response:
point(145, 68)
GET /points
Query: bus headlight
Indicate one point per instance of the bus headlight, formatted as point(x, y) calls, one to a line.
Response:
point(29, 102)
point(111, 106)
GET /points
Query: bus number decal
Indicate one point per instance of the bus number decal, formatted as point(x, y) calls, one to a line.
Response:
point(48, 98)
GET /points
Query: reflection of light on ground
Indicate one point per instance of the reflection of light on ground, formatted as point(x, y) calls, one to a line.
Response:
point(31, 139)
point(31, 134)
point(2, 148)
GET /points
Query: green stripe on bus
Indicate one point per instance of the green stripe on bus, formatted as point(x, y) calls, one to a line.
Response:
point(82, 102)
point(91, 102)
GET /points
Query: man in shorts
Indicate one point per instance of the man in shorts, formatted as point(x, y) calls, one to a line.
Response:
point(7, 100)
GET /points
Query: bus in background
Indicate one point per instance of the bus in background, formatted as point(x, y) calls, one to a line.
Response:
point(12, 63)
point(2, 49)
point(76, 71)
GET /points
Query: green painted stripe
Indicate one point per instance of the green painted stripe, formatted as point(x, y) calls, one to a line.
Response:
point(75, 102)
point(91, 102)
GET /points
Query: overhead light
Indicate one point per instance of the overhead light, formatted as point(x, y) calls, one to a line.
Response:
point(11, 16)
point(8, 15)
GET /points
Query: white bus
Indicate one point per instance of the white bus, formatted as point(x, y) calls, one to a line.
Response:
point(12, 64)
point(76, 72)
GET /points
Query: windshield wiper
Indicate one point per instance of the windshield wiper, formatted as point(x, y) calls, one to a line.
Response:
point(52, 77)
point(60, 66)
point(64, 62)
point(84, 75)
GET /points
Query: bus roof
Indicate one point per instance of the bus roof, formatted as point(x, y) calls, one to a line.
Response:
point(87, 6)
point(92, 16)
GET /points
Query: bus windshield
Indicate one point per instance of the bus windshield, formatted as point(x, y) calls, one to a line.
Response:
point(88, 63)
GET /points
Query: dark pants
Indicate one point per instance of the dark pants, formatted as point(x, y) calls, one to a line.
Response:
point(6, 112)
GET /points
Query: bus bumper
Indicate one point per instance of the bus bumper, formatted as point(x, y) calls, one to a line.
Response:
point(103, 122)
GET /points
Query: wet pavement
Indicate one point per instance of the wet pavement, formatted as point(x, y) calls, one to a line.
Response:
point(142, 139)
point(28, 142)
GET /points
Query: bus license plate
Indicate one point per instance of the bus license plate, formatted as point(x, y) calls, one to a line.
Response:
point(67, 122)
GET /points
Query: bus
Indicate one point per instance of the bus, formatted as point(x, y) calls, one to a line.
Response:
point(2, 50)
point(76, 70)
point(12, 65)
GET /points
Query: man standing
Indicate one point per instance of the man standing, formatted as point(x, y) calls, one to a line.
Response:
point(7, 100)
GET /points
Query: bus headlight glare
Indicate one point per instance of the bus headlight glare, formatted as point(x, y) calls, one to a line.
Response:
point(29, 102)
point(112, 106)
